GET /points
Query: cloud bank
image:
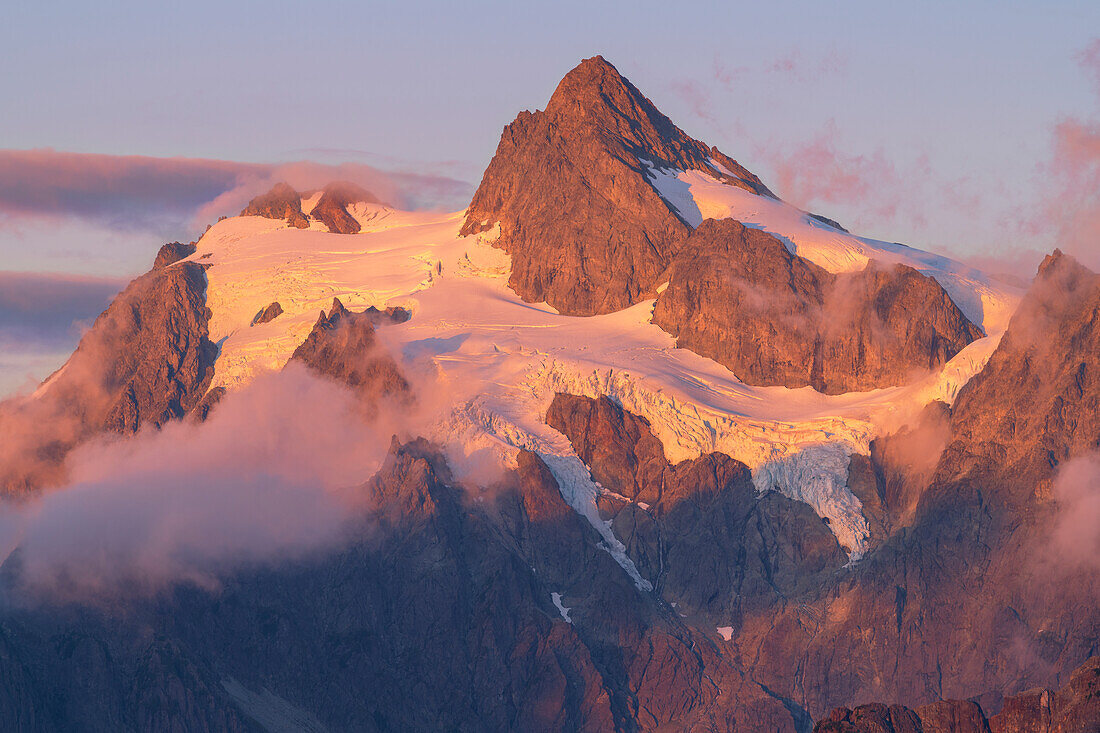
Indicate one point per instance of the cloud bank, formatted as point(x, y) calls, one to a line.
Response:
point(269, 476)
point(156, 194)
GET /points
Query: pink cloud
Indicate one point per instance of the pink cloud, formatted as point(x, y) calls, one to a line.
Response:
point(271, 474)
point(1068, 212)
point(791, 65)
point(818, 172)
point(1076, 536)
point(1089, 59)
point(696, 97)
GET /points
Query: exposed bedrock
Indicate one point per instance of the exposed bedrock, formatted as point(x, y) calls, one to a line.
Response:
point(146, 360)
point(738, 296)
point(587, 231)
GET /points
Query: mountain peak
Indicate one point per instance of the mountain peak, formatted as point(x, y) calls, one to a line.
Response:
point(590, 81)
point(595, 94)
point(572, 190)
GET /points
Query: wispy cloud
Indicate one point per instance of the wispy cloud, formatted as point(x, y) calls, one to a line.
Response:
point(271, 474)
point(1068, 212)
point(818, 172)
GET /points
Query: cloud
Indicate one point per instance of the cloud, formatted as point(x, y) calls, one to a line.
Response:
point(1068, 211)
point(696, 97)
point(46, 302)
point(792, 65)
point(165, 194)
point(270, 475)
point(42, 317)
point(123, 191)
point(1089, 59)
point(818, 172)
point(1075, 541)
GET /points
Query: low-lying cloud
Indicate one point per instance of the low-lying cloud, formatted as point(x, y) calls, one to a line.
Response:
point(1075, 541)
point(163, 194)
point(270, 475)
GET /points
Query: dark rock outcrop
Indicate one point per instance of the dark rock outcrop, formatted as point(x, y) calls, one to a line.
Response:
point(332, 208)
point(437, 614)
point(1075, 708)
point(831, 222)
point(342, 346)
point(281, 202)
point(268, 313)
point(146, 360)
point(569, 186)
point(173, 252)
point(967, 599)
point(738, 296)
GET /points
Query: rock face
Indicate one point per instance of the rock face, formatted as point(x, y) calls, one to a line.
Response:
point(738, 296)
point(1073, 709)
point(173, 252)
point(966, 599)
point(145, 361)
point(587, 231)
point(1047, 362)
point(270, 312)
point(332, 207)
point(343, 346)
point(439, 614)
point(281, 202)
point(696, 530)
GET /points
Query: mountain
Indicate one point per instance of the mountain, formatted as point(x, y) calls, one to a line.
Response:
point(588, 233)
point(582, 195)
point(147, 359)
point(664, 453)
point(740, 297)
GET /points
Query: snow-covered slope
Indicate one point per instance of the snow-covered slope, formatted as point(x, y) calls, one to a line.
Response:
point(697, 196)
point(486, 364)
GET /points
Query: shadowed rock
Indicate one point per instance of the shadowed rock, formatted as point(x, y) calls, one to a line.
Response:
point(173, 252)
point(268, 313)
point(343, 346)
point(1075, 708)
point(697, 530)
point(146, 360)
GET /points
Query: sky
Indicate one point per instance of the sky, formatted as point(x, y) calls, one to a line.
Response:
point(955, 127)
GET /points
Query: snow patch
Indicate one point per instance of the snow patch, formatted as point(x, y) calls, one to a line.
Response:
point(273, 713)
point(556, 598)
point(818, 476)
point(726, 632)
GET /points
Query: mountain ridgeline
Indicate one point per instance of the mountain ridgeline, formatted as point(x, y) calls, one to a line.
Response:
point(690, 596)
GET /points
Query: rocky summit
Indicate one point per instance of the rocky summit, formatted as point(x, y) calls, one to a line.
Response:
point(629, 444)
point(588, 233)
